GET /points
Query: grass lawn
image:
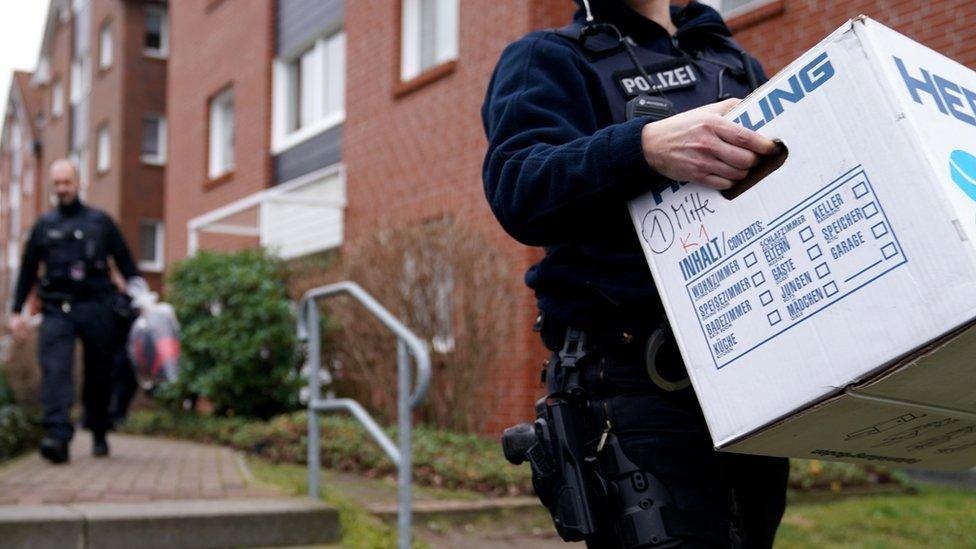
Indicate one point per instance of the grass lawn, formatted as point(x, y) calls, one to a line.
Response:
point(359, 528)
point(934, 517)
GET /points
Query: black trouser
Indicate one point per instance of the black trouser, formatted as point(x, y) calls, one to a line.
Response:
point(664, 433)
point(124, 386)
point(90, 320)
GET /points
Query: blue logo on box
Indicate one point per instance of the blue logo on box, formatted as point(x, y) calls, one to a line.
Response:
point(962, 166)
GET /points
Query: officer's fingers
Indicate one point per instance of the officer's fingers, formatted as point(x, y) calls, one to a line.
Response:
point(722, 107)
point(734, 134)
point(716, 182)
point(743, 159)
point(714, 166)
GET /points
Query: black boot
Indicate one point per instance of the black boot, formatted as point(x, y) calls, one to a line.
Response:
point(99, 445)
point(54, 450)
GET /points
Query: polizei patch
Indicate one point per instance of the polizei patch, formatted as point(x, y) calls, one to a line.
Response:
point(673, 75)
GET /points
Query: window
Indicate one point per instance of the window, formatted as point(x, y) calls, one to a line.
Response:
point(105, 47)
point(80, 79)
point(154, 139)
point(103, 149)
point(57, 98)
point(151, 245)
point(16, 154)
point(156, 40)
point(79, 157)
point(221, 134)
point(310, 91)
point(428, 35)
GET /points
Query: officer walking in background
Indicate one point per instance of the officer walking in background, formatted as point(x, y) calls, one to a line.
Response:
point(74, 243)
point(627, 99)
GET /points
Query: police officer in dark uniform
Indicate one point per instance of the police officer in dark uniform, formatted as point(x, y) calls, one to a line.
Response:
point(74, 243)
point(628, 98)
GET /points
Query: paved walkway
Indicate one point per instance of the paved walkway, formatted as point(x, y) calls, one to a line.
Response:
point(139, 469)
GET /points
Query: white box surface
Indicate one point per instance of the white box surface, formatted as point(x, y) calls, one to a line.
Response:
point(823, 312)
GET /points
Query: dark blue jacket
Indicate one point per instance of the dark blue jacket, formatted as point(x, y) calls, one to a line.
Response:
point(562, 163)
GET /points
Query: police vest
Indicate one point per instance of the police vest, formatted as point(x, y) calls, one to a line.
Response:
point(715, 69)
point(75, 255)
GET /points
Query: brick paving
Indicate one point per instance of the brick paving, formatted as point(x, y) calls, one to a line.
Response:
point(139, 469)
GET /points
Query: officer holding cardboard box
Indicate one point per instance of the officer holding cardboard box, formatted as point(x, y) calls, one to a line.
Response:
point(625, 100)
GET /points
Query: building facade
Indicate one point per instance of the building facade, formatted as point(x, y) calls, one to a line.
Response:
point(101, 80)
point(22, 198)
point(356, 115)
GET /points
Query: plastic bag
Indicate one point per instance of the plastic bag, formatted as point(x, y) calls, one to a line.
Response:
point(154, 346)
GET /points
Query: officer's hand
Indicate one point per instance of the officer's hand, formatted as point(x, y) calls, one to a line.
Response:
point(701, 145)
point(17, 324)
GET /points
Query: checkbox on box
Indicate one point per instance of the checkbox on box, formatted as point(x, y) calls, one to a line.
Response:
point(766, 297)
point(806, 234)
point(889, 250)
point(830, 289)
point(774, 318)
point(813, 252)
point(758, 279)
point(860, 190)
point(750, 259)
point(870, 210)
point(822, 270)
point(879, 230)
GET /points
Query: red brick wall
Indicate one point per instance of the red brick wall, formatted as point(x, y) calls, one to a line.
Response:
point(143, 91)
point(418, 155)
point(786, 29)
point(210, 48)
point(56, 133)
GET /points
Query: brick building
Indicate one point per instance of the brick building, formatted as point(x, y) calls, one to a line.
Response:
point(99, 99)
point(336, 115)
point(21, 195)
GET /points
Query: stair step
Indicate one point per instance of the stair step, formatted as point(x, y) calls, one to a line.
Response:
point(185, 524)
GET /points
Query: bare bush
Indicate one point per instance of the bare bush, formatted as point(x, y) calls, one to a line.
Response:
point(22, 369)
point(452, 288)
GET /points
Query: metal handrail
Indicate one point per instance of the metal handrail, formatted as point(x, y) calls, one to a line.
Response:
point(407, 343)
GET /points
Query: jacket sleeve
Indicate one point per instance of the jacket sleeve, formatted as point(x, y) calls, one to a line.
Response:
point(28, 268)
point(549, 161)
point(119, 251)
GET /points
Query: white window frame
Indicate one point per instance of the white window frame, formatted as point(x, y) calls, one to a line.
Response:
point(103, 149)
point(80, 78)
point(159, 159)
point(163, 51)
point(155, 266)
point(217, 165)
point(446, 40)
point(106, 47)
point(16, 150)
point(328, 47)
point(57, 98)
point(79, 157)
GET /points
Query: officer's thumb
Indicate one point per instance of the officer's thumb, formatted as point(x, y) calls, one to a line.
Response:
point(723, 107)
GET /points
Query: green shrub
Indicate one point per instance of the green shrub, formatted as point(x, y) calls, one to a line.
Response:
point(18, 431)
point(238, 333)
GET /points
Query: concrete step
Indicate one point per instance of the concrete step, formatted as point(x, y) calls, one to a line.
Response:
point(183, 524)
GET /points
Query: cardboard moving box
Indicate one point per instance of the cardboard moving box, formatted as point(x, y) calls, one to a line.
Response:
point(830, 310)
